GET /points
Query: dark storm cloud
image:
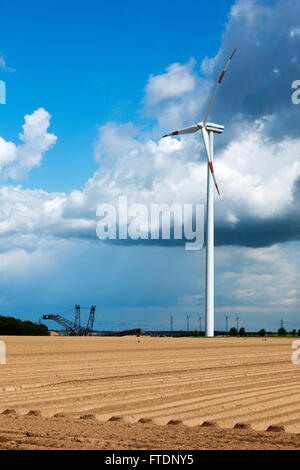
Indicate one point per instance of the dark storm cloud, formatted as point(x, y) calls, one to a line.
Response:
point(267, 61)
point(248, 231)
point(255, 232)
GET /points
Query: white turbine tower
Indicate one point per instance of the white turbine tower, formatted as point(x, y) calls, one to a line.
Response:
point(208, 129)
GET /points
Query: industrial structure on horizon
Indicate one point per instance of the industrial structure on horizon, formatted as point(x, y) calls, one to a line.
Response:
point(75, 328)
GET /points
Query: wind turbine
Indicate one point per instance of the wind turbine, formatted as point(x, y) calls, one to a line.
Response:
point(208, 129)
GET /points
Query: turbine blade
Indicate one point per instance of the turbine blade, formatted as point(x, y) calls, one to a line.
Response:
point(187, 130)
point(213, 175)
point(217, 87)
point(206, 144)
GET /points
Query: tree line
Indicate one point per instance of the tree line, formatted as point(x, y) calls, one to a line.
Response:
point(242, 332)
point(14, 326)
point(281, 332)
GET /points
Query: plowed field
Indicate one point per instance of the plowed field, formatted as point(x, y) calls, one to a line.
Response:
point(133, 388)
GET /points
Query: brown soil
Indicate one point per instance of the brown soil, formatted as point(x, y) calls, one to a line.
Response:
point(118, 393)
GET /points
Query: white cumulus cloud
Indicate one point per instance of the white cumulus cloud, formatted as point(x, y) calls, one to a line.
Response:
point(17, 160)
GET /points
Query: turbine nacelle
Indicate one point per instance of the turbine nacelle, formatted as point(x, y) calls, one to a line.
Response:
point(211, 126)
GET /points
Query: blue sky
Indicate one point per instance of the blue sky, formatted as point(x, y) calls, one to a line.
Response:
point(90, 90)
point(88, 63)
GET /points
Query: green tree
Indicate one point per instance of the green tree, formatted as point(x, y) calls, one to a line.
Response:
point(242, 332)
point(294, 332)
point(233, 331)
point(262, 332)
point(281, 331)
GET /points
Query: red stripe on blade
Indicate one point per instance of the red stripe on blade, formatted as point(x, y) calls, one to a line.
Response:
point(218, 189)
point(222, 75)
point(232, 54)
point(211, 167)
point(175, 133)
